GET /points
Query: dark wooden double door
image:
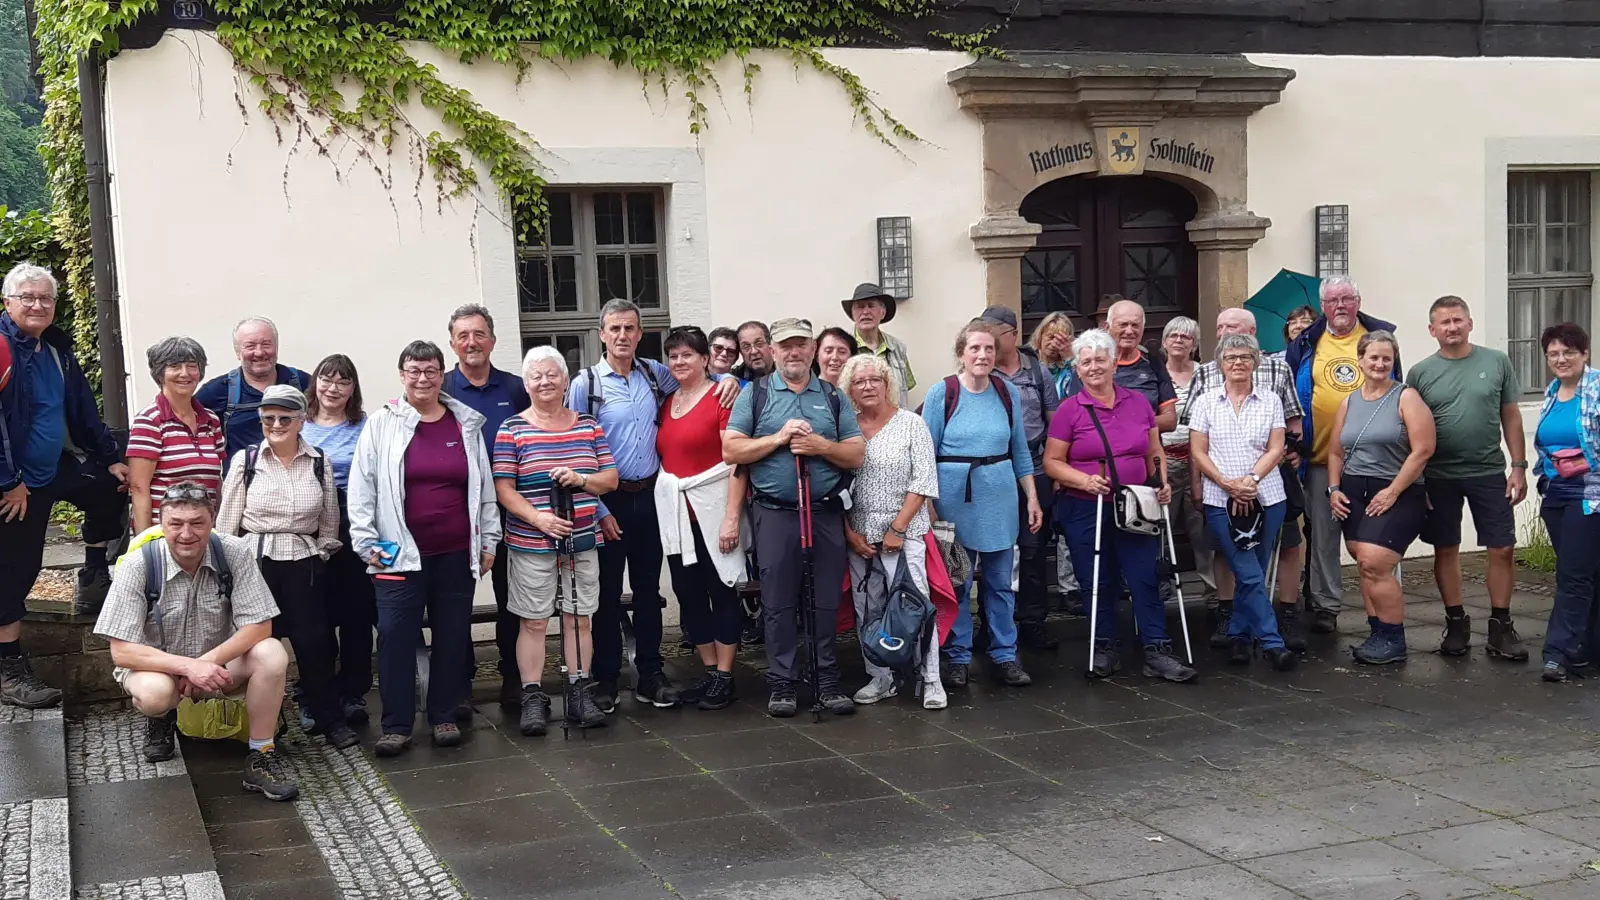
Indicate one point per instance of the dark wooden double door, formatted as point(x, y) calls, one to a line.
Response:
point(1110, 235)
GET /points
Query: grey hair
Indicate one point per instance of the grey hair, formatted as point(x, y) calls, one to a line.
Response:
point(1181, 325)
point(174, 351)
point(1240, 313)
point(1096, 340)
point(544, 353)
point(1377, 337)
point(1333, 281)
point(255, 320)
point(187, 493)
point(617, 305)
point(27, 273)
point(467, 311)
point(1240, 342)
point(870, 363)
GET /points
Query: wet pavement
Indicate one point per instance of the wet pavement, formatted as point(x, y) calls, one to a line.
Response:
point(1442, 778)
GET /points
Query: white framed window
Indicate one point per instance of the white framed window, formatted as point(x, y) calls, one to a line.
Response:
point(1549, 266)
point(598, 244)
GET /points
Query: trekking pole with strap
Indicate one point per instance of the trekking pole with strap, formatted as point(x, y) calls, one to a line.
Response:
point(1177, 582)
point(1094, 584)
point(808, 586)
point(571, 660)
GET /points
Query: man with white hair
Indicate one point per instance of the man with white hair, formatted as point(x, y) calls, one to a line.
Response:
point(1135, 370)
point(1273, 374)
point(55, 447)
point(236, 396)
point(1323, 360)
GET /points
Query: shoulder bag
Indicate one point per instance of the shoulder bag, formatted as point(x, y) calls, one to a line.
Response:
point(1134, 507)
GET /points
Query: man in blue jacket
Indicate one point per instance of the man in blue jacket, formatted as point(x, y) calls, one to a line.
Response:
point(53, 446)
point(236, 396)
point(1323, 360)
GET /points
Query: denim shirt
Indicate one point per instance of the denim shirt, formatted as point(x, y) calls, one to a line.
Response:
point(1588, 432)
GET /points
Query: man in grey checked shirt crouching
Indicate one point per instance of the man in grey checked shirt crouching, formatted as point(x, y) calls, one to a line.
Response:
point(200, 639)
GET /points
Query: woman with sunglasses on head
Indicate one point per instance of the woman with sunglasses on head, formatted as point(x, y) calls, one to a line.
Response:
point(724, 351)
point(835, 346)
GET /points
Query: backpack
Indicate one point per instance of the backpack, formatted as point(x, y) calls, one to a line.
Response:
point(896, 635)
point(758, 404)
point(253, 452)
point(155, 574)
point(235, 387)
point(597, 394)
point(953, 392)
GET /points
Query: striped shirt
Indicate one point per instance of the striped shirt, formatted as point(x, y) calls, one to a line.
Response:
point(528, 454)
point(180, 454)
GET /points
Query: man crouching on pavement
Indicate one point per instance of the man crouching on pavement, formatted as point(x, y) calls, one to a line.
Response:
point(200, 628)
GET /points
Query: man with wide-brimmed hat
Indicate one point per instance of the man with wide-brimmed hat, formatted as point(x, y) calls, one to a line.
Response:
point(869, 308)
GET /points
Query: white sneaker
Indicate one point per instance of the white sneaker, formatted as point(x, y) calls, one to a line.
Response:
point(879, 688)
point(933, 695)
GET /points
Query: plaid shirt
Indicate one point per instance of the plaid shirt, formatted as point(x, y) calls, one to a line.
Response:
point(286, 514)
point(195, 617)
point(1272, 373)
point(1237, 441)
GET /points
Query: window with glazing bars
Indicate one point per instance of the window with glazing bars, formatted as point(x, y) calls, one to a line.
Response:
point(1549, 263)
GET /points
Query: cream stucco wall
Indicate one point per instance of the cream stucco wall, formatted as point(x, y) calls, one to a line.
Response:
point(773, 213)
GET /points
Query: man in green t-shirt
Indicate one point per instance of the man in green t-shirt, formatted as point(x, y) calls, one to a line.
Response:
point(1473, 393)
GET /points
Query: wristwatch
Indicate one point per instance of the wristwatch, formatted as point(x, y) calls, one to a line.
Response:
point(1256, 478)
point(1520, 464)
point(1332, 488)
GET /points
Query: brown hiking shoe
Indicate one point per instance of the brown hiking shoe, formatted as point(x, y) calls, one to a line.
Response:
point(20, 687)
point(1504, 642)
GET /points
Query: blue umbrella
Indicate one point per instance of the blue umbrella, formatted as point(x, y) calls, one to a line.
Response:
point(1286, 292)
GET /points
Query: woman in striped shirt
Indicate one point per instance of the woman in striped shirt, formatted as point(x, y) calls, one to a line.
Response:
point(174, 439)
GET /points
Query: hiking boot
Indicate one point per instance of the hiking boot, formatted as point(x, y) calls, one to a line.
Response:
point(355, 712)
point(1504, 642)
point(838, 703)
point(266, 773)
point(1554, 671)
point(881, 687)
point(1160, 662)
point(510, 692)
point(1324, 621)
point(581, 710)
point(1220, 638)
point(691, 695)
point(933, 695)
point(1457, 635)
point(954, 675)
point(782, 704)
point(1292, 627)
point(1239, 651)
point(1381, 649)
point(719, 692)
point(1107, 661)
point(1282, 658)
point(605, 696)
point(535, 719)
point(341, 737)
point(1035, 636)
point(392, 744)
point(20, 687)
point(447, 735)
point(1073, 605)
point(93, 584)
point(159, 738)
point(1010, 673)
point(464, 711)
point(753, 635)
point(656, 689)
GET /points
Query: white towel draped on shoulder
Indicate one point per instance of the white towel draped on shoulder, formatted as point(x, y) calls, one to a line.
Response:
point(707, 494)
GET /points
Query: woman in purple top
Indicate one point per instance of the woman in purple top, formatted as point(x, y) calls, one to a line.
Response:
point(1075, 458)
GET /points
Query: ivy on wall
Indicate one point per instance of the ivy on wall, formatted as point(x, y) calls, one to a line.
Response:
point(305, 56)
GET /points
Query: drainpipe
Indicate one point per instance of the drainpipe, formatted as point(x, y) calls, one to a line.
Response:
point(108, 319)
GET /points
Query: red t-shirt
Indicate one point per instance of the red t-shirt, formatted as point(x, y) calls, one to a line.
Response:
point(692, 444)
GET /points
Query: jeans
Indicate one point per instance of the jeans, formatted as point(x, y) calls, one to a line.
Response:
point(1252, 611)
point(1322, 549)
point(1124, 558)
point(639, 552)
point(300, 588)
point(1574, 630)
point(999, 609)
point(777, 541)
point(443, 587)
point(871, 592)
point(710, 610)
point(1033, 587)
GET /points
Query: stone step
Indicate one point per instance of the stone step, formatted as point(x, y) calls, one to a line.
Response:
point(35, 849)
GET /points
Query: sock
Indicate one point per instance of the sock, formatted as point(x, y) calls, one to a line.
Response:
point(263, 746)
point(94, 557)
point(11, 649)
point(1373, 623)
point(529, 687)
point(1502, 615)
point(1455, 612)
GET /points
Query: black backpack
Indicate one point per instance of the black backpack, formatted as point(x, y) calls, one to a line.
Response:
point(953, 392)
point(155, 574)
point(235, 390)
point(253, 452)
point(758, 404)
point(597, 393)
point(896, 635)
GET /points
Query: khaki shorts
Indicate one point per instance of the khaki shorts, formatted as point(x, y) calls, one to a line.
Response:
point(534, 582)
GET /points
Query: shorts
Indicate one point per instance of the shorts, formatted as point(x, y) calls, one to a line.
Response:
point(120, 675)
point(1291, 535)
point(533, 582)
point(1492, 516)
point(1394, 530)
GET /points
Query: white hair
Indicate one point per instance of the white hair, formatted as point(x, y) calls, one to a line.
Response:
point(542, 354)
point(1333, 281)
point(1240, 313)
point(255, 320)
point(1095, 340)
point(28, 273)
point(1122, 305)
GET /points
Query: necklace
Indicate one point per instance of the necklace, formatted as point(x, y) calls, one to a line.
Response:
point(682, 404)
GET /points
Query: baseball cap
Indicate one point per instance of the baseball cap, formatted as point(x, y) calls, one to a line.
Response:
point(283, 396)
point(1000, 315)
point(784, 329)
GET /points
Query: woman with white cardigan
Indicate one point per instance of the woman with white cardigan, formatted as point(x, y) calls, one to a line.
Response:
point(695, 486)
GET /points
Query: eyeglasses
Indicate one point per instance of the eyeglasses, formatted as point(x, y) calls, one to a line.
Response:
point(717, 350)
point(1342, 301)
point(1559, 355)
point(38, 301)
point(871, 379)
point(342, 383)
point(420, 374)
point(278, 421)
point(1235, 359)
point(749, 348)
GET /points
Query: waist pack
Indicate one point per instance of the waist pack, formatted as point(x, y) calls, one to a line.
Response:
point(1134, 507)
point(895, 634)
point(1570, 463)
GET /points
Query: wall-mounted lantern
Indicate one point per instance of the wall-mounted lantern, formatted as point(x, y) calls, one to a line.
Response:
point(894, 256)
point(1333, 241)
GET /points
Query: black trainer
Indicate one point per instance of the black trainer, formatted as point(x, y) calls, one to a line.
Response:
point(1457, 638)
point(837, 703)
point(1282, 658)
point(605, 696)
point(719, 693)
point(1073, 605)
point(1239, 651)
point(341, 737)
point(20, 687)
point(1292, 627)
point(159, 737)
point(266, 773)
point(753, 635)
point(782, 703)
point(1220, 638)
point(94, 582)
point(1324, 621)
point(535, 719)
point(1011, 673)
point(1035, 636)
point(656, 689)
point(580, 707)
point(954, 675)
point(692, 694)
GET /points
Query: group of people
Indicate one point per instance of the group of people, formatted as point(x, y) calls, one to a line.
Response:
point(272, 503)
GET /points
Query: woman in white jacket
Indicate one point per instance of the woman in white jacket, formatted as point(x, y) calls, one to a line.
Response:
point(423, 516)
point(695, 486)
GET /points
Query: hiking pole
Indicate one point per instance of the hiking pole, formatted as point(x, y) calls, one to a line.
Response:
point(808, 586)
point(1177, 582)
point(571, 661)
point(1094, 587)
point(1272, 574)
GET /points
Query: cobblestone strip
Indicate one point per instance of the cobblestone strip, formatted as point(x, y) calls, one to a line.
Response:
point(372, 847)
point(107, 747)
point(50, 863)
point(16, 838)
point(9, 714)
point(199, 886)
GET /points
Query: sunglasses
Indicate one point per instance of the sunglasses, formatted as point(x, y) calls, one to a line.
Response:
point(276, 421)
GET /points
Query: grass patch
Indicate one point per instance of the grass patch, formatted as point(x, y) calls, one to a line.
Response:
point(68, 517)
point(1537, 553)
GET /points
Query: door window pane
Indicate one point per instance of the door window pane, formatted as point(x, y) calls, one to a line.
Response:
point(644, 280)
point(1549, 263)
point(1049, 281)
point(1150, 275)
point(609, 225)
point(641, 218)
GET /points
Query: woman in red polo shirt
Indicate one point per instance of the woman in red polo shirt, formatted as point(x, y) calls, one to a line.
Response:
point(175, 438)
point(696, 492)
